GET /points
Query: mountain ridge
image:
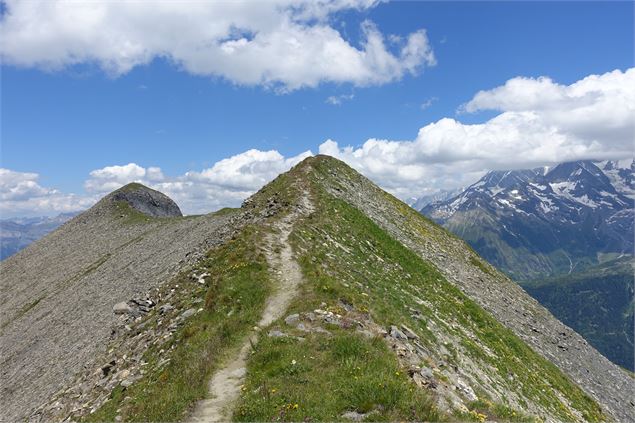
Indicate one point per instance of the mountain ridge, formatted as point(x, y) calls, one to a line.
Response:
point(378, 277)
point(542, 222)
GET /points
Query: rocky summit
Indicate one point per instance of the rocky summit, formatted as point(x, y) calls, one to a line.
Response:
point(145, 200)
point(322, 298)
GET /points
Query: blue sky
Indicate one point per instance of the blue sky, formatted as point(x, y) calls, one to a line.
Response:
point(63, 122)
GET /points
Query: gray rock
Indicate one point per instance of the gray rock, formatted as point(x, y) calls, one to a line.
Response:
point(126, 383)
point(165, 308)
point(409, 332)
point(188, 313)
point(397, 334)
point(121, 308)
point(292, 319)
point(354, 415)
point(276, 334)
point(427, 373)
point(146, 200)
point(466, 390)
point(301, 326)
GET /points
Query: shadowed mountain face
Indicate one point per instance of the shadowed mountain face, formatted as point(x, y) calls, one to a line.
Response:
point(542, 222)
point(597, 303)
point(384, 297)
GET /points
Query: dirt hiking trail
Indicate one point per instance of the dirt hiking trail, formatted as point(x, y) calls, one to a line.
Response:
point(224, 387)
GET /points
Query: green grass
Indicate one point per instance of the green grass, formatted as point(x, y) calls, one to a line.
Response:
point(346, 256)
point(132, 216)
point(94, 266)
point(331, 374)
point(482, 409)
point(24, 310)
point(240, 285)
point(225, 211)
point(323, 377)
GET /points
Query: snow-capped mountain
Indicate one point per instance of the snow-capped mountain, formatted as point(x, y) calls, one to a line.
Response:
point(546, 221)
point(418, 203)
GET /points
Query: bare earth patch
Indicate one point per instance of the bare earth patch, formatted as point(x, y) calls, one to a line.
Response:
point(224, 387)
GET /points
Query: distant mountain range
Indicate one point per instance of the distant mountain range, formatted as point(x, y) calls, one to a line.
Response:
point(17, 233)
point(566, 235)
point(442, 195)
point(546, 221)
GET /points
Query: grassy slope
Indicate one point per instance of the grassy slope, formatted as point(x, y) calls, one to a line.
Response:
point(597, 303)
point(347, 258)
point(239, 285)
point(321, 377)
point(344, 256)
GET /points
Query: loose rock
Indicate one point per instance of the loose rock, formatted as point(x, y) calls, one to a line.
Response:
point(121, 308)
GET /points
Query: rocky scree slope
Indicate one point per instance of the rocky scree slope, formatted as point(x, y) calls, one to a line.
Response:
point(543, 222)
point(58, 294)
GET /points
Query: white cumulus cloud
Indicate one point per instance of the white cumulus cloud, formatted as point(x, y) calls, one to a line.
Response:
point(285, 44)
point(540, 123)
point(598, 107)
point(336, 100)
point(22, 195)
point(227, 183)
point(110, 178)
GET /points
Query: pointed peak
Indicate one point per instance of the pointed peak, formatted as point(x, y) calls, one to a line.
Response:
point(564, 171)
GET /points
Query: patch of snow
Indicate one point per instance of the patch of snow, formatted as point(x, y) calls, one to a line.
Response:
point(538, 186)
point(496, 190)
point(563, 188)
point(586, 201)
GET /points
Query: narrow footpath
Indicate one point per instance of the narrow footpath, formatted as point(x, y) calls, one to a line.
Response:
point(224, 387)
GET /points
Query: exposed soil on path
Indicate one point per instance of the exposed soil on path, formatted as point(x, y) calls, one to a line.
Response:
point(224, 387)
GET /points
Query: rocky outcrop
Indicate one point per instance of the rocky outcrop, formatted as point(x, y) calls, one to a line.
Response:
point(146, 200)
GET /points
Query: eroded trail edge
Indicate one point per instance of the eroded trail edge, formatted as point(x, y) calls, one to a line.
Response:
point(224, 387)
